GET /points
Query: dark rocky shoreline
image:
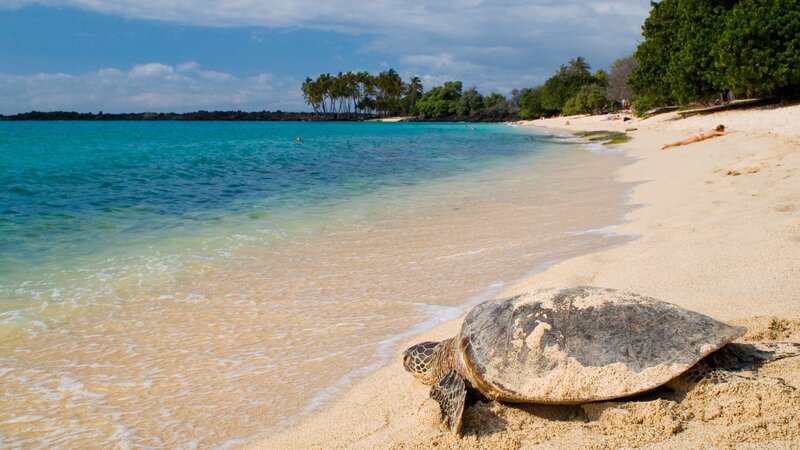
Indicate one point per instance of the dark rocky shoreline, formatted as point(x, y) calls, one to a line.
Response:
point(197, 116)
point(233, 116)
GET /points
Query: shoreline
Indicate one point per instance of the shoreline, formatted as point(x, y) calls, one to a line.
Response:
point(280, 324)
point(718, 231)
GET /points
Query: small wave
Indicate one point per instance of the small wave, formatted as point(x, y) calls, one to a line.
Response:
point(602, 149)
point(438, 314)
point(467, 253)
point(605, 231)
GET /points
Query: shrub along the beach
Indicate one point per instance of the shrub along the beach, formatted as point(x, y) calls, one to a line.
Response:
point(471, 103)
point(450, 101)
point(530, 103)
point(589, 99)
point(703, 50)
point(440, 101)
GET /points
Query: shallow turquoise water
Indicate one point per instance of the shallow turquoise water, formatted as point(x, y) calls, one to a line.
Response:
point(98, 200)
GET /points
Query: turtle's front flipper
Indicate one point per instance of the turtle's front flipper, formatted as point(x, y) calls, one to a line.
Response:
point(451, 393)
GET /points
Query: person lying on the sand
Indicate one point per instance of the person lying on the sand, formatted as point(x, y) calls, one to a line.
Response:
point(697, 137)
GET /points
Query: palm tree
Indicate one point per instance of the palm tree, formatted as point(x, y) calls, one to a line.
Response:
point(578, 66)
point(312, 94)
point(414, 92)
point(390, 87)
point(368, 92)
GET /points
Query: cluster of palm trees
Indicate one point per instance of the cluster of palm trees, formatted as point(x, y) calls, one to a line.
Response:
point(362, 93)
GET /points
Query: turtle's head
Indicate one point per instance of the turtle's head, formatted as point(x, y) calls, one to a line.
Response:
point(428, 361)
point(417, 359)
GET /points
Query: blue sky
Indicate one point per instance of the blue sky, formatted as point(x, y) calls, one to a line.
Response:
point(185, 55)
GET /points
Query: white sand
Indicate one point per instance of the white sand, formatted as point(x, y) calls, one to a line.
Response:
point(391, 119)
point(718, 232)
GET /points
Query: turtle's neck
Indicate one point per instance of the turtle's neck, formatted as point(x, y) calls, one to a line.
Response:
point(443, 360)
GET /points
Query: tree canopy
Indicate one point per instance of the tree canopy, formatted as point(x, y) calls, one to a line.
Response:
point(693, 51)
point(387, 94)
point(699, 50)
point(572, 90)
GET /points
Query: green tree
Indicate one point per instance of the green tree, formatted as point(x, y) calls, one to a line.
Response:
point(601, 78)
point(312, 94)
point(621, 70)
point(531, 106)
point(565, 83)
point(691, 72)
point(559, 90)
point(590, 99)
point(367, 92)
point(470, 103)
point(414, 91)
point(324, 84)
point(493, 99)
point(441, 101)
point(650, 80)
point(390, 91)
point(697, 50)
point(758, 53)
point(338, 92)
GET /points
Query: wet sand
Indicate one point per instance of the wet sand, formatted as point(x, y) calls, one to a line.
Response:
point(718, 231)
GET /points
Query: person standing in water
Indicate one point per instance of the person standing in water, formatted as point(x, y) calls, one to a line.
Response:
point(697, 137)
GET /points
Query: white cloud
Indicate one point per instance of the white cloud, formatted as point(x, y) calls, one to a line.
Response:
point(442, 61)
point(152, 70)
point(496, 44)
point(445, 21)
point(188, 66)
point(148, 87)
point(13, 4)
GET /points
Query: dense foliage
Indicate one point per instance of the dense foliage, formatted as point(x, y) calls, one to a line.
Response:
point(387, 94)
point(440, 101)
point(693, 51)
point(758, 51)
point(572, 90)
point(701, 50)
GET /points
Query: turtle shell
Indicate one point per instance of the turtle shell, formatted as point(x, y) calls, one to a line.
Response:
point(582, 344)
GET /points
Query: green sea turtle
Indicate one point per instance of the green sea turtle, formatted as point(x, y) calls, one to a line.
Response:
point(578, 345)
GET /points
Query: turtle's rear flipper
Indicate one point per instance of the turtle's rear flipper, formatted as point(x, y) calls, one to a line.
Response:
point(758, 353)
point(752, 355)
point(451, 393)
point(736, 361)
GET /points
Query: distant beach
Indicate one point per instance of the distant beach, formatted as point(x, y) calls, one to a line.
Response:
point(716, 230)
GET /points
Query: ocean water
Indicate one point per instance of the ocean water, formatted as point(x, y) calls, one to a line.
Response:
point(73, 191)
point(196, 284)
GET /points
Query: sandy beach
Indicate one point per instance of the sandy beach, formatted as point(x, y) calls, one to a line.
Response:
point(717, 230)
